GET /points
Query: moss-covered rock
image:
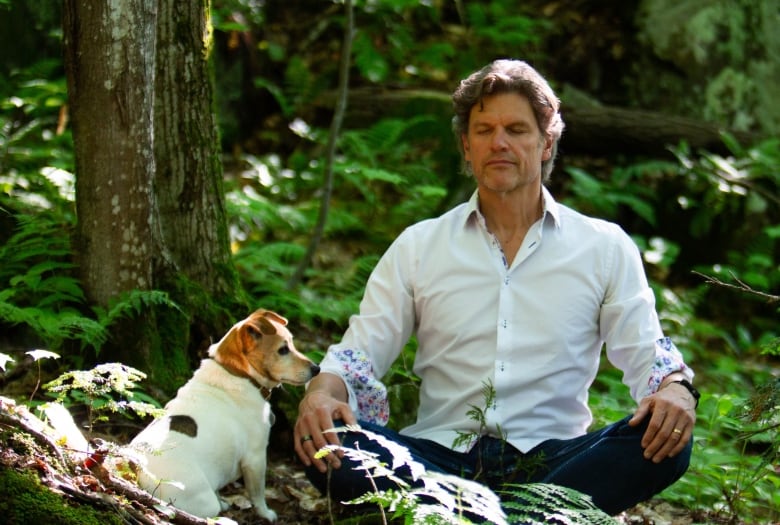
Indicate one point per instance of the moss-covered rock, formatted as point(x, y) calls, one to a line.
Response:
point(25, 501)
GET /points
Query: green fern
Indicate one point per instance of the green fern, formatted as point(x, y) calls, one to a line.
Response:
point(330, 294)
point(440, 498)
point(39, 288)
point(132, 303)
point(38, 250)
point(479, 416)
point(544, 504)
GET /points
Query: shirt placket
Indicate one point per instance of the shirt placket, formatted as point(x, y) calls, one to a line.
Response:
point(507, 331)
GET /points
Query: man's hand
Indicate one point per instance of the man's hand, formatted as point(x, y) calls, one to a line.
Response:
point(672, 412)
point(316, 413)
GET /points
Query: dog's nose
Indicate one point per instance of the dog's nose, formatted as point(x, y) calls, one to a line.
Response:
point(314, 370)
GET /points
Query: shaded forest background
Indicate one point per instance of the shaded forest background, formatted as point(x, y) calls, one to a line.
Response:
point(671, 131)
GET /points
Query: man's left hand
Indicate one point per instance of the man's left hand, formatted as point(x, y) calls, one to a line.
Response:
point(672, 411)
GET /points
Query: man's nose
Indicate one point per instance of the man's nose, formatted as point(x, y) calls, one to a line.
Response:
point(499, 139)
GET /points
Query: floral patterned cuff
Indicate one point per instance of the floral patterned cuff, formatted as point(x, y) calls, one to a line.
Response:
point(668, 360)
point(370, 393)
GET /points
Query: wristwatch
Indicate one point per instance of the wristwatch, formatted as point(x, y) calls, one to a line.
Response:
point(687, 384)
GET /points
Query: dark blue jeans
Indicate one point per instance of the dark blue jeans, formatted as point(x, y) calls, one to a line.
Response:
point(606, 464)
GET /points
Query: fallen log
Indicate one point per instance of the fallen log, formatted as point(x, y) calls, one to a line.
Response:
point(590, 129)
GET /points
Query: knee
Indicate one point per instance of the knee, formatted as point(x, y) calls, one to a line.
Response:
point(349, 481)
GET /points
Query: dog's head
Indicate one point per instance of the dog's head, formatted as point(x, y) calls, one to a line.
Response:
point(261, 348)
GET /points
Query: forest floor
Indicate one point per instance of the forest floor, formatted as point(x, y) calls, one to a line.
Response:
point(289, 493)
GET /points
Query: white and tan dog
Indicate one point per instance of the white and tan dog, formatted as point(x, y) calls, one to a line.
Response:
point(216, 428)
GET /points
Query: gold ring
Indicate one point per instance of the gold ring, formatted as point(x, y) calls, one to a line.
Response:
point(304, 439)
point(677, 431)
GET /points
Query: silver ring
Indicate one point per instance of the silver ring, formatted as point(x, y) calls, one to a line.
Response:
point(305, 438)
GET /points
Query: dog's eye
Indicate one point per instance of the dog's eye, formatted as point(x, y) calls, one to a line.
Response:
point(283, 350)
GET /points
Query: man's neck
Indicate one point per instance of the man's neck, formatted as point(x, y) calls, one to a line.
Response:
point(510, 214)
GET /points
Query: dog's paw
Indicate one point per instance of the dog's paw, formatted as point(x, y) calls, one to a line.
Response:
point(264, 512)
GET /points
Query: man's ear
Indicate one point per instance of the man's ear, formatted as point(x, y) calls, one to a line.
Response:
point(464, 140)
point(548, 146)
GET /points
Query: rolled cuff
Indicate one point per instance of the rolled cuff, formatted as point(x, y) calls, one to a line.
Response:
point(668, 360)
point(367, 394)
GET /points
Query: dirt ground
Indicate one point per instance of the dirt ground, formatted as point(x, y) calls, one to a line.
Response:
point(297, 502)
point(289, 493)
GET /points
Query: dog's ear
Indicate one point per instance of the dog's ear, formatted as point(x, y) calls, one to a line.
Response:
point(260, 326)
point(275, 317)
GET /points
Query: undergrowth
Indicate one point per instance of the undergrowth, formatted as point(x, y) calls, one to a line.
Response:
point(435, 498)
point(730, 337)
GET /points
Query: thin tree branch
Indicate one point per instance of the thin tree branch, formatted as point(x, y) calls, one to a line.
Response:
point(335, 128)
point(740, 287)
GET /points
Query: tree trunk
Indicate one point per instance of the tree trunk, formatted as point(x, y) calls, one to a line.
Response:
point(188, 183)
point(109, 59)
point(149, 196)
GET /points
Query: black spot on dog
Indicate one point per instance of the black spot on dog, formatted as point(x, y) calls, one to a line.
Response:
point(184, 425)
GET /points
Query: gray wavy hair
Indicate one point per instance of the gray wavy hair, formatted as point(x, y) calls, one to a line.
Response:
point(509, 76)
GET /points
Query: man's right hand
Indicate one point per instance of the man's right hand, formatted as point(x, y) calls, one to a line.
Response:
point(316, 413)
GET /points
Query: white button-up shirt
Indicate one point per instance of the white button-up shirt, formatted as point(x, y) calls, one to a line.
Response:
point(532, 331)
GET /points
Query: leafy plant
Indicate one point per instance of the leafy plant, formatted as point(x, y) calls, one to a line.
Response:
point(603, 198)
point(107, 388)
point(43, 293)
point(40, 290)
point(743, 187)
point(732, 473)
point(454, 498)
point(441, 498)
point(478, 415)
point(543, 503)
point(275, 206)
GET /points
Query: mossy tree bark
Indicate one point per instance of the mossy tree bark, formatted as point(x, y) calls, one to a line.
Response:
point(197, 266)
point(149, 198)
point(110, 58)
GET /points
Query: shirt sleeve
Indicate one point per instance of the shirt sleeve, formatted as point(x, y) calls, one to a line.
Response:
point(376, 335)
point(367, 394)
point(668, 360)
point(629, 322)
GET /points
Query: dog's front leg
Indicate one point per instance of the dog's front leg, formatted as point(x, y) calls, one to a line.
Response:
point(253, 470)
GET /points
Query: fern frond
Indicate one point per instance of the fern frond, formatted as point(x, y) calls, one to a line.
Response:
point(544, 504)
point(55, 327)
point(132, 303)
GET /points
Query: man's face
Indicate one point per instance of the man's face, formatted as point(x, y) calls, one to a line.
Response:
point(503, 143)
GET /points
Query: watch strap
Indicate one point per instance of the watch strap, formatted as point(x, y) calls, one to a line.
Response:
point(687, 384)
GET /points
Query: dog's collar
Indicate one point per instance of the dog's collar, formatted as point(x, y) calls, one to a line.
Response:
point(264, 390)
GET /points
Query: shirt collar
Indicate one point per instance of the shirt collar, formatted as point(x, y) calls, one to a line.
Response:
point(549, 208)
